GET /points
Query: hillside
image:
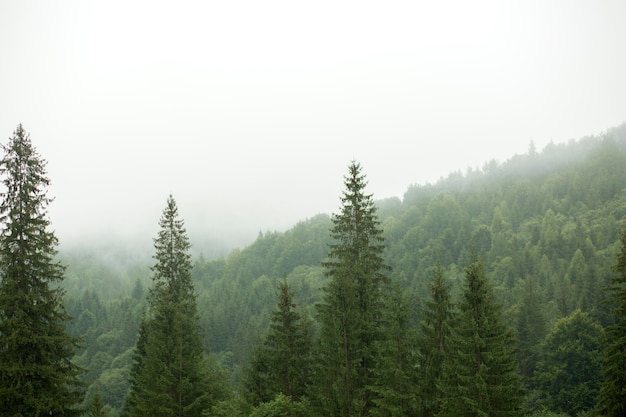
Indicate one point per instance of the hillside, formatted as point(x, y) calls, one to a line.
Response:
point(548, 220)
point(554, 217)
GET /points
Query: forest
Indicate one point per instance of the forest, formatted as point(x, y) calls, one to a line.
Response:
point(496, 291)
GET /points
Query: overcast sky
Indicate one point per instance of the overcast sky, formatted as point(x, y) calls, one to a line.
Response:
point(249, 112)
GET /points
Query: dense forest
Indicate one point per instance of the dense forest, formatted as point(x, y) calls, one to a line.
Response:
point(516, 257)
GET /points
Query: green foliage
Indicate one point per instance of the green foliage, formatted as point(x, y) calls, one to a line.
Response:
point(96, 406)
point(480, 376)
point(531, 329)
point(170, 374)
point(282, 406)
point(552, 218)
point(613, 390)
point(546, 413)
point(352, 311)
point(282, 364)
point(395, 383)
point(434, 343)
point(37, 376)
point(568, 373)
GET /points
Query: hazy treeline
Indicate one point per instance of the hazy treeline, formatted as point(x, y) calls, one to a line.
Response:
point(546, 226)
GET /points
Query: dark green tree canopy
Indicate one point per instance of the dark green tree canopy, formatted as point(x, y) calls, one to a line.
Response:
point(434, 343)
point(480, 374)
point(613, 391)
point(37, 376)
point(282, 364)
point(568, 372)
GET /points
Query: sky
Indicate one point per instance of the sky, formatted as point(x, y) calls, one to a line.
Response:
point(249, 112)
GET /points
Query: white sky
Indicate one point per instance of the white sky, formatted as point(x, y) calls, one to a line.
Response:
point(249, 112)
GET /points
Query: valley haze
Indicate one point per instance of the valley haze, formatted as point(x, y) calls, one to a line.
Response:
point(249, 113)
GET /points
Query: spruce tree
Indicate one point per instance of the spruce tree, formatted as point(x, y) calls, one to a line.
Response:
point(395, 382)
point(531, 329)
point(480, 375)
point(37, 376)
point(170, 375)
point(257, 384)
point(282, 363)
point(352, 310)
point(288, 347)
point(612, 400)
point(434, 344)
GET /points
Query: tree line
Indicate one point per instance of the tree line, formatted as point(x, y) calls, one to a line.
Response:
point(347, 331)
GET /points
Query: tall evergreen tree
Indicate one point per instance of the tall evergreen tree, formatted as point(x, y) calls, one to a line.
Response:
point(37, 376)
point(480, 377)
point(434, 344)
point(613, 391)
point(352, 310)
point(170, 374)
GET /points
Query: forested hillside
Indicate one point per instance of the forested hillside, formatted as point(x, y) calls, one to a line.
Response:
point(545, 225)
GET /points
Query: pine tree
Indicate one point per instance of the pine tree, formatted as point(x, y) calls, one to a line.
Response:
point(282, 363)
point(288, 347)
point(480, 376)
point(434, 344)
point(96, 406)
point(170, 375)
point(531, 329)
point(395, 384)
point(257, 384)
point(37, 376)
point(352, 310)
point(613, 391)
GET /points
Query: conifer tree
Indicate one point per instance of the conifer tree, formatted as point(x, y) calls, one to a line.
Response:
point(170, 374)
point(282, 364)
point(395, 382)
point(288, 347)
point(434, 344)
point(531, 329)
point(480, 376)
point(37, 376)
point(352, 310)
point(613, 391)
point(257, 385)
point(568, 372)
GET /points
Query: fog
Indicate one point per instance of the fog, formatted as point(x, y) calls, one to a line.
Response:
point(249, 112)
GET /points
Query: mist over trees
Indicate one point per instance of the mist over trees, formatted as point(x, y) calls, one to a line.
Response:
point(463, 298)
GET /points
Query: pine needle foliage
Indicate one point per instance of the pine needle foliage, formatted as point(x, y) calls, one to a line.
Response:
point(480, 376)
point(37, 376)
point(170, 375)
point(434, 344)
point(612, 400)
point(351, 314)
point(395, 386)
point(281, 365)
